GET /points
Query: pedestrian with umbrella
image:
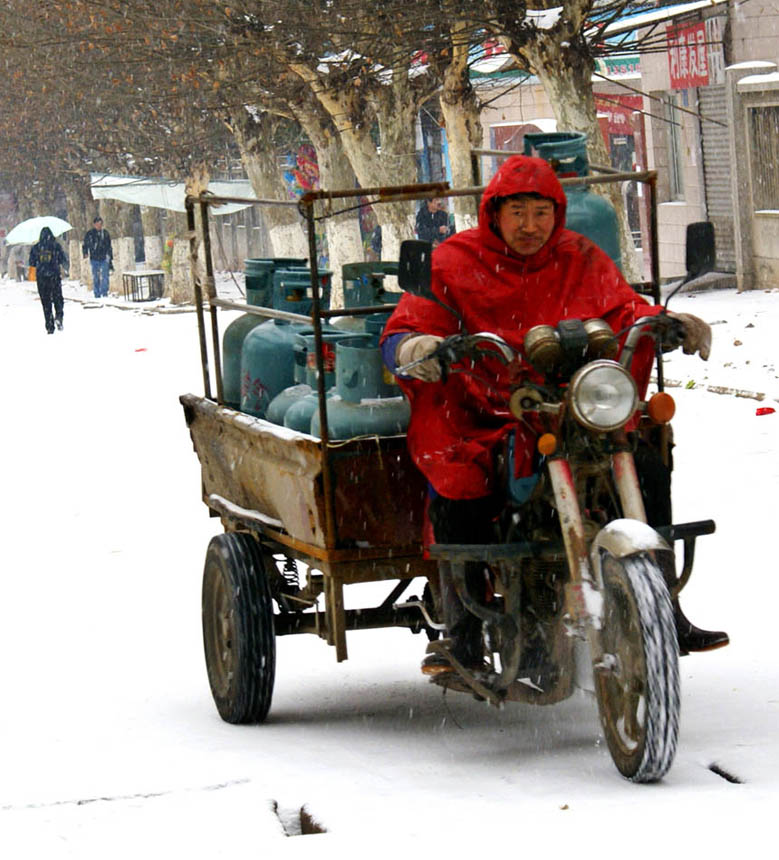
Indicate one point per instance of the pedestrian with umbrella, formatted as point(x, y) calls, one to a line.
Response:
point(47, 257)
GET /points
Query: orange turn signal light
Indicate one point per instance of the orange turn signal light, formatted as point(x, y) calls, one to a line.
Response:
point(547, 444)
point(661, 407)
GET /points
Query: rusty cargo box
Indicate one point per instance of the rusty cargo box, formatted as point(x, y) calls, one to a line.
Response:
point(250, 465)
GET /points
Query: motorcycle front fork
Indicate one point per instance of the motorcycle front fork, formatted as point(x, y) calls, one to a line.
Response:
point(584, 592)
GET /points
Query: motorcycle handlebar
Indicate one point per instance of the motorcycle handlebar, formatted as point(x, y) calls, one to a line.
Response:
point(458, 346)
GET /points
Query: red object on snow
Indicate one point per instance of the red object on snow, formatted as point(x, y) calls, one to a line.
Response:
point(765, 410)
point(141, 349)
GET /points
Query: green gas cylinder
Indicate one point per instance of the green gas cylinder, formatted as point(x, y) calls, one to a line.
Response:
point(259, 275)
point(281, 403)
point(364, 283)
point(267, 364)
point(367, 400)
point(299, 414)
point(292, 290)
point(587, 213)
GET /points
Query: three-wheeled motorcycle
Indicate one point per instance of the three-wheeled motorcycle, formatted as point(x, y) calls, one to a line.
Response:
point(576, 564)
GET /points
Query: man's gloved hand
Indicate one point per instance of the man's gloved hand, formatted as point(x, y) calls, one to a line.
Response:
point(697, 335)
point(417, 346)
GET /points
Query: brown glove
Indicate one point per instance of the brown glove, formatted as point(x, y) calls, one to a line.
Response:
point(417, 346)
point(697, 335)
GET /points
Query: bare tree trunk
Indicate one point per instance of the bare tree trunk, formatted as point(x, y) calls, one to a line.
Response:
point(254, 137)
point(344, 243)
point(395, 106)
point(152, 236)
point(460, 110)
point(80, 208)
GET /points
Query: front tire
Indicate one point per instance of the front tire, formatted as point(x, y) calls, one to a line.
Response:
point(637, 673)
point(238, 632)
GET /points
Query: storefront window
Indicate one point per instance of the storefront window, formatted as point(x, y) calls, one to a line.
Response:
point(675, 169)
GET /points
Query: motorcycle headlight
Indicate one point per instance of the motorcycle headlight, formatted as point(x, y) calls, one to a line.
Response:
point(603, 395)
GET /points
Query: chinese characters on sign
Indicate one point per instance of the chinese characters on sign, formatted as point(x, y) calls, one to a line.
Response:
point(687, 56)
point(617, 111)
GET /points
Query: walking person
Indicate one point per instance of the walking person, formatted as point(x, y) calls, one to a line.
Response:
point(47, 257)
point(97, 246)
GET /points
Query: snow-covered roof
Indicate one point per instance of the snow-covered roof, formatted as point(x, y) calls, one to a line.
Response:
point(645, 19)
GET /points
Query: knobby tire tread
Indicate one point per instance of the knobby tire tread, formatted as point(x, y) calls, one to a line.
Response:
point(660, 647)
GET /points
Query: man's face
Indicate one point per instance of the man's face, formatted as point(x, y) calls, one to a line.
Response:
point(525, 223)
point(98, 225)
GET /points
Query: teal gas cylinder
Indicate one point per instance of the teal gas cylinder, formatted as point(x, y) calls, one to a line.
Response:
point(364, 284)
point(278, 407)
point(267, 364)
point(304, 371)
point(374, 323)
point(367, 400)
point(259, 275)
point(299, 414)
point(292, 290)
point(330, 339)
point(587, 213)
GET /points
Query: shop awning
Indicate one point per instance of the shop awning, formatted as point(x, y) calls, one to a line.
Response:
point(166, 194)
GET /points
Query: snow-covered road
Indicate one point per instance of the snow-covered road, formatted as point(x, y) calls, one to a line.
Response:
point(110, 746)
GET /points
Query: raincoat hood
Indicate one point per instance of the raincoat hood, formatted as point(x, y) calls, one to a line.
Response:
point(521, 174)
point(46, 237)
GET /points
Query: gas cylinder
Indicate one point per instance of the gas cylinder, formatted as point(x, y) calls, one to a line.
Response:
point(367, 400)
point(292, 290)
point(374, 323)
point(299, 414)
point(267, 364)
point(278, 407)
point(304, 371)
point(365, 284)
point(587, 213)
point(259, 275)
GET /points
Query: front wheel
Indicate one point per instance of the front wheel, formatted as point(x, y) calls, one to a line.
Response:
point(637, 673)
point(238, 631)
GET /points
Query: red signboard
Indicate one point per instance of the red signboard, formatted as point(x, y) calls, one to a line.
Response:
point(687, 59)
point(617, 111)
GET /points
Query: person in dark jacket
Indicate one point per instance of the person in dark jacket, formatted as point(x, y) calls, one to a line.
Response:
point(432, 223)
point(47, 257)
point(97, 246)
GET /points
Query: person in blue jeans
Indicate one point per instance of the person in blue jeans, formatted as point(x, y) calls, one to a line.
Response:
point(97, 246)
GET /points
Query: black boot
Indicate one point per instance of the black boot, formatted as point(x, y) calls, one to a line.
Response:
point(463, 628)
point(691, 638)
point(654, 477)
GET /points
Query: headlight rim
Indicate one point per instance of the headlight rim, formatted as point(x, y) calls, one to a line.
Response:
point(575, 388)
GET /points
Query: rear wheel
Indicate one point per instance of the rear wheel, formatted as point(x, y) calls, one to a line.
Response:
point(238, 634)
point(637, 675)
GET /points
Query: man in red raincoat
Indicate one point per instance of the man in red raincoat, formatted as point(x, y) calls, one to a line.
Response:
point(519, 268)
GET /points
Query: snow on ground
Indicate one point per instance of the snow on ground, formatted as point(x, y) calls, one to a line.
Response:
point(110, 746)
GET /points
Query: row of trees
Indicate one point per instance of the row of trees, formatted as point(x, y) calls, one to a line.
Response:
point(169, 87)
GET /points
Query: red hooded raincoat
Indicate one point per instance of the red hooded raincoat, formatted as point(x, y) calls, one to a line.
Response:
point(455, 425)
